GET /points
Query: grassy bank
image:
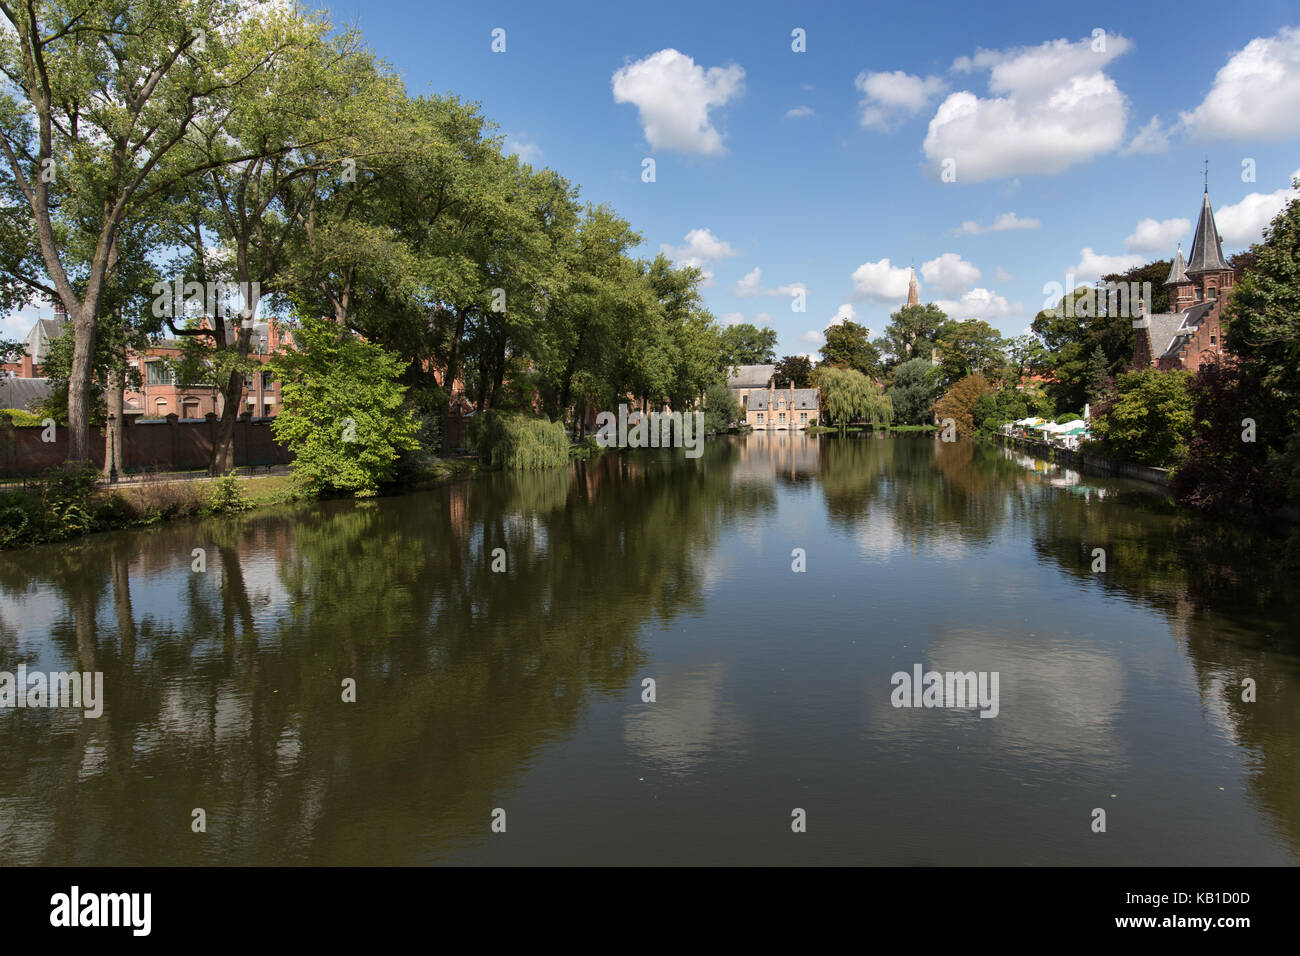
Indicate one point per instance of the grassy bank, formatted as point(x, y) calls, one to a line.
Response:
point(60, 506)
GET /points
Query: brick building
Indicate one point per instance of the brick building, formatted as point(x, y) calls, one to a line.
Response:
point(1190, 335)
point(159, 395)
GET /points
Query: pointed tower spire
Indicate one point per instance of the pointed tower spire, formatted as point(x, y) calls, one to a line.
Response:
point(1207, 247)
point(912, 297)
point(1177, 271)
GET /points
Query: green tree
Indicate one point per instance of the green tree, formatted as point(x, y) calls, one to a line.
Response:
point(343, 414)
point(912, 331)
point(98, 104)
point(848, 396)
point(914, 389)
point(1100, 381)
point(747, 344)
point(794, 368)
point(847, 347)
point(968, 348)
point(720, 408)
point(1150, 419)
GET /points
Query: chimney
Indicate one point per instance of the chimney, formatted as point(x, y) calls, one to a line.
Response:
point(27, 368)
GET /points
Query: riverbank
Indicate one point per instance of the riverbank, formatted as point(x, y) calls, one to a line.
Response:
point(1090, 464)
point(63, 506)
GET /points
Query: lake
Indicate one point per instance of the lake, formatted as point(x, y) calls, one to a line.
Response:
point(771, 590)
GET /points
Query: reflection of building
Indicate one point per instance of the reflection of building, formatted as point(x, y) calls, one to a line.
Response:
point(1190, 335)
point(766, 455)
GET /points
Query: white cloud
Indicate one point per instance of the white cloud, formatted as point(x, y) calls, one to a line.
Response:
point(799, 112)
point(752, 284)
point(1093, 265)
point(812, 337)
point(949, 273)
point(979, 303)
point(749, 285)
point(888, 97)
point(845, 313)
point(1002, 275)
point(881, 282)
point(1243, 223)
point(733, 318)
point(674, 96)
point(701, 246)
point(527, 151)
point(1152, 138)
point(1008, 220)
point(1157, 236)
point(1052, 106)
point(1256, 95)
point(763, 320)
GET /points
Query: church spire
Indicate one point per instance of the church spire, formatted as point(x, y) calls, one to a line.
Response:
point(912, 297)
point(1207, 247)
point(1177, 271)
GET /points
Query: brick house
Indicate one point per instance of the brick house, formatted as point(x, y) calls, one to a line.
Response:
point(158, 395)
point(781, 409)
point(1191, 334)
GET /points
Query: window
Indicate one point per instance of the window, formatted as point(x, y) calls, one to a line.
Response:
point(1213, 292)
point(803, 418)
point(268, 410)
point(266, 381)
point(1211, 339)
point(781, 403)
point(782, 421)
point(157, 373)
point(760, 418)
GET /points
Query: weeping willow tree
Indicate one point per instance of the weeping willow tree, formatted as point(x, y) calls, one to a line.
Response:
point(518, 442)
point(849, 396)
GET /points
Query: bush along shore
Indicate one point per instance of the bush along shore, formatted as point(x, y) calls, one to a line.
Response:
point(65, 504)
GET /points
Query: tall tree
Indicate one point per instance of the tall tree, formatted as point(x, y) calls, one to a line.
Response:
point(847, 347)
point(99, 100)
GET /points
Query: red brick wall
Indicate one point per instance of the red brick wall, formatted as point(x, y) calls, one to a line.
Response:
point(167, 445)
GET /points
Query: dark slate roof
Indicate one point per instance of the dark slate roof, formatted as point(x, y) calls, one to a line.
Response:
point(751, 376)
point(39, 338)
point(1207, 247)
point(805, 399)
point(1170, 331)
point(1177, 271)
point(22, 393)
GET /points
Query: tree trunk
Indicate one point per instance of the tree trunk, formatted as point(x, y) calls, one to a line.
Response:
point(223, 448)
point(83, 353)
point(449, 378)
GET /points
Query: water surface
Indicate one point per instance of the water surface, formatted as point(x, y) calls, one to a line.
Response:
point(522, 689)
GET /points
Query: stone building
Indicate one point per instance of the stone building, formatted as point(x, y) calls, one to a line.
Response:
point(1190, 335)
point(777, 409)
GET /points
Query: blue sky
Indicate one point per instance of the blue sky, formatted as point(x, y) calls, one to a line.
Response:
point(1050, 131)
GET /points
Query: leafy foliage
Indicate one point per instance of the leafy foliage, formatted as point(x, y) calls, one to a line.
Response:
point(1150, 419)
point(958, 403)
point(343, 413)
point(848, 396)
point(518, 442)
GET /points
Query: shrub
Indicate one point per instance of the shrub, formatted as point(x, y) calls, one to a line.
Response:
point(228, 496)
point(20, 418)
point(517, 442)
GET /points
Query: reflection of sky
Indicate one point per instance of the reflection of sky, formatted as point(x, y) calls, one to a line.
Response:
point(687, 724)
